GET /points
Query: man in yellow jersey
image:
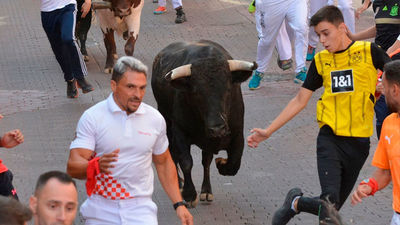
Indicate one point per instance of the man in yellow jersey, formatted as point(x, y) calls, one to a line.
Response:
point(347, 71)
point(388, 151)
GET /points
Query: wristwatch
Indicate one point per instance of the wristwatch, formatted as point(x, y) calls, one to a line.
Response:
point(176, 205)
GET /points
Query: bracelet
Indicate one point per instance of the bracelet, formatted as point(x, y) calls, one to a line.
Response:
point(372, 183)
point(181, 203)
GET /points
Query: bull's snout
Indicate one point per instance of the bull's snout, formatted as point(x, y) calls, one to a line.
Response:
point(218, 131)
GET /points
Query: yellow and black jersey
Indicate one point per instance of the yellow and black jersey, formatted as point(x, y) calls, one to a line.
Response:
point(349, 78)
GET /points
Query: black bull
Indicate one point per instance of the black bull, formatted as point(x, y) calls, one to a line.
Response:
point(197, 89)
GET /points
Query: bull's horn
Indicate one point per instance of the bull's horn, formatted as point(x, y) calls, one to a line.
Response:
point(99, 4)
point(235, 65)
point(182, 71)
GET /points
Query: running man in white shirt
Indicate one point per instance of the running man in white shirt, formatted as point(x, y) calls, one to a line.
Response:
point(116, 142)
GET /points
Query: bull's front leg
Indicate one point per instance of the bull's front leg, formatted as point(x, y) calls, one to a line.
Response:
point(130, 45)
point(180, 149)
point(109, 42)
point(230, 166)
point(133, 24)
point(206, 191)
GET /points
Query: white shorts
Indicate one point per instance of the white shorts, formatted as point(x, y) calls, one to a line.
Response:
point(136, 211)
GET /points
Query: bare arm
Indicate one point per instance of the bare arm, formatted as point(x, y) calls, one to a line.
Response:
point(365, 34)
point(394, 47)
point(79, 159)
point(382, 177)
point(78, 162)
point(298, 103)
point(168, 177)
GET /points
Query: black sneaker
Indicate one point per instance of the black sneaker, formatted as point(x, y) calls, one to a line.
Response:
point(180, 15)
point(72, 92)
point(285, 212)
point(84, 85)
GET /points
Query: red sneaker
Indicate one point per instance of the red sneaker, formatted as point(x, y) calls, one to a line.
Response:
point(160, 10)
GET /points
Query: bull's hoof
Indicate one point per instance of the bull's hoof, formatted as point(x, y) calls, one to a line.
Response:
point(206, 196)
point(224, 168)
point(108, 70)
point(192, 204)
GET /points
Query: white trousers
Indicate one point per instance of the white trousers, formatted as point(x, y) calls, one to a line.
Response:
point(270, 15)
point(97, 210)
point(346, 6)
point(175, 3)
point(283, 44)
point(395, 219)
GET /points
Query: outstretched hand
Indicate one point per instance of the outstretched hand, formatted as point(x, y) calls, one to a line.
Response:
point(106, 161)
point(184, 215)
point(258, 135)
point(362, 8)
point(359, 11)
point(12, 139)
point(361, 192)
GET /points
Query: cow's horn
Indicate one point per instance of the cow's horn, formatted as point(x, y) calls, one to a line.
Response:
point(235, 65)
point(99, 4)
point(182, 71)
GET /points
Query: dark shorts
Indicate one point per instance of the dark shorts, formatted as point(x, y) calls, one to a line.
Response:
point(6, 187)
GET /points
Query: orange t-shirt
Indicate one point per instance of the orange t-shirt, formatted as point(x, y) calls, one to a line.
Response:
point(387, 154)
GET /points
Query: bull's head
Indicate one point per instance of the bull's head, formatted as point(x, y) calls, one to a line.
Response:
point(212, 87)
point(121, 8)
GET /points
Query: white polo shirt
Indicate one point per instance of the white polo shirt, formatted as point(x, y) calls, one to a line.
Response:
point(51, 5)
point(105, 127)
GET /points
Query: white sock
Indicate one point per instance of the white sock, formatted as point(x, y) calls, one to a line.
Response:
point(294, 200)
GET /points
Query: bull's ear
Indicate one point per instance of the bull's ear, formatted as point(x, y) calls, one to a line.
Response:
point(182, 83)
point(240, 76)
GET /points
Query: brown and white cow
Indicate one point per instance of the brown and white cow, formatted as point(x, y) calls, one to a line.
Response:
point(122, 17)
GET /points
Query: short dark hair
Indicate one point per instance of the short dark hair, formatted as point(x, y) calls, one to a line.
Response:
point(330, 13)
point(392, 71)
point(127, 63)
point(45, 177)
point(12, 212)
